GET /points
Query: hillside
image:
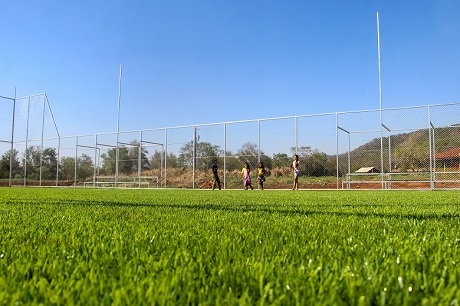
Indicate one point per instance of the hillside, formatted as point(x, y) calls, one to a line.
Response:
point(409, 151)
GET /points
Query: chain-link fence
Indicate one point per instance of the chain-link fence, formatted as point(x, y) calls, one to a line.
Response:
point(398, 148)
point(29, 141)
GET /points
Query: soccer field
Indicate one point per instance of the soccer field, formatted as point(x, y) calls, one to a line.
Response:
point(143, 247)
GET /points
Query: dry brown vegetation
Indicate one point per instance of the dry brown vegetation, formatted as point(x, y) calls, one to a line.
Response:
point(278, 178)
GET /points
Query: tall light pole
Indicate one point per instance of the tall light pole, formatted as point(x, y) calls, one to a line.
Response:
point(380, 100)
point(118, 129)
point(380, 73)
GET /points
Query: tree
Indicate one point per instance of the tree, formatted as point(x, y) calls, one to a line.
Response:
point(125, 165)
point(48, 165)
point(316, 164)
point(302, 151)
point(16, 169)
point(85, 167)
point(280, 160)
point(67, 168)
point(171, 160)
point(313, 162)
point(232, 162)
point(133, 155)
point(157, 160)
point(205, 152)
point(250, 153)
point(31, 162)
point(331, 165)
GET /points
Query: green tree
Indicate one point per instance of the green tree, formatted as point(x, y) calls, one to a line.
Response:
point(205, 152)
point(232, 162)
point(313, 162)
point(85, 168)
point(316, 164)
point(67, 168)
point(249, 152)
point(48, 164)
point(133, 155)
point(235, 163)
point(31, 162)
point(125, 164)
point(157, 160)
point(280, 160)
point(16, 169)
point(331, 165)
point(171, 160)
point(303, 151)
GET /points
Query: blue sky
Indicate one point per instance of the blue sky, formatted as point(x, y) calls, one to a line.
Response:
point(192, 62)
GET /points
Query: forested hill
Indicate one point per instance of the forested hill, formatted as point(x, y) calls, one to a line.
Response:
point(408, 150)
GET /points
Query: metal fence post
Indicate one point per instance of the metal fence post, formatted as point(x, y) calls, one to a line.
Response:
point(166, 155)
point(96, 163)
point(431, 150)
point(41, 150)
point(12, 141)
point(225, 154)
point(27, 142)
point(57, 164)
point(296, 135)
point(139, 161)
point(337, 148)
point(258, 146)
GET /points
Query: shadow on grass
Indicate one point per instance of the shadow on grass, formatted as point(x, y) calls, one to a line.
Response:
point(352, 209)
point(364, 210)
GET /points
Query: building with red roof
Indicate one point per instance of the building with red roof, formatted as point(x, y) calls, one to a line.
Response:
point(449, 158)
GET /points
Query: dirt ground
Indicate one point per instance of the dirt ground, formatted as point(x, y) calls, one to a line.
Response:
point(357, 186)
point(274, 185)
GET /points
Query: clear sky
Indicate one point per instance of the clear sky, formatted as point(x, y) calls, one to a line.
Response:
point(190, 62)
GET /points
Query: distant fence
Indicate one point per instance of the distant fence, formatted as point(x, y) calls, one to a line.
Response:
point(409, 147)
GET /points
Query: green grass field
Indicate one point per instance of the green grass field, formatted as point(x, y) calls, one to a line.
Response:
point(143, 247)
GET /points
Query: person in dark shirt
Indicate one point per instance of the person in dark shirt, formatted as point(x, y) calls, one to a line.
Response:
point(215, 179)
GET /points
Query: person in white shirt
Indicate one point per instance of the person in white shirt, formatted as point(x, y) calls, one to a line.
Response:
point(296, 167)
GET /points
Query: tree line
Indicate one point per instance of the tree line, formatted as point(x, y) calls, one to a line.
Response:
point(314, 162)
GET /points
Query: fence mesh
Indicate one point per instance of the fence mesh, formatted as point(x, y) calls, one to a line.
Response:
point(411, 147)
point(29, 144)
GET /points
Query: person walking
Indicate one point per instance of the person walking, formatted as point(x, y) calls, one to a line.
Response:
point(215, 175)
point(246, 176)
point(296, 168)
point(261, 175)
